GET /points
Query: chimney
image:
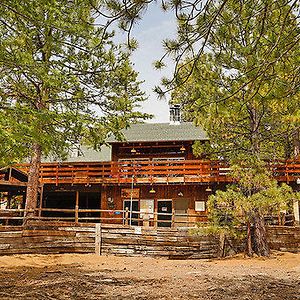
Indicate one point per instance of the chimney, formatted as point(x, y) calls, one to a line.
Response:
point(175, 117)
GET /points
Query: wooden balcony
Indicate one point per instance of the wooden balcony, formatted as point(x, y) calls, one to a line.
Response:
point(145, 172)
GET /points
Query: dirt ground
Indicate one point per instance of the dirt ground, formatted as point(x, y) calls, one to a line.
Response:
point(86, 277)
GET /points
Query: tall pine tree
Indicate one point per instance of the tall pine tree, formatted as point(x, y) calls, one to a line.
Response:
point(62, 80)
point(245, 93)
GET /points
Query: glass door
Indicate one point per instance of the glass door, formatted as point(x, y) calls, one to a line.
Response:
point(164, 213)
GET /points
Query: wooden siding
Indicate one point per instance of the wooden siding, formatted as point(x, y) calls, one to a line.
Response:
point(190, 194)
point(152, 150)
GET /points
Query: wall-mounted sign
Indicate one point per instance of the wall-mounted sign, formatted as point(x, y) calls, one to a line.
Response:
point(199, 205)
point(128, 193)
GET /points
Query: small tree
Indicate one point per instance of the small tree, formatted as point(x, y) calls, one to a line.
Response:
point(247, 202)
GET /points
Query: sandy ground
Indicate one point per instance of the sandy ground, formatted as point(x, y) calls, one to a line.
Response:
point(85, 277)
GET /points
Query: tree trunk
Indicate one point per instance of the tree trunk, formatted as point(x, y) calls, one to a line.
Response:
point(249, 250)
point(261, 247)
point(33, 181)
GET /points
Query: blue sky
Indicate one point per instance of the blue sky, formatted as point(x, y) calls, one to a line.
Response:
point(155, 26)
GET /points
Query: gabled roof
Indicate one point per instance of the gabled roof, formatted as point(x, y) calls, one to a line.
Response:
point(87, 155)
point(143, 132)
point(160, 132)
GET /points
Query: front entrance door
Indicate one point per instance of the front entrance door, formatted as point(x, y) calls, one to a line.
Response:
point(164, 210)
point(133, 214)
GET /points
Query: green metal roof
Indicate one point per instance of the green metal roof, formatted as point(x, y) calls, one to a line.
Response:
point(143, 132)
point(87, 154)
point(159, 132)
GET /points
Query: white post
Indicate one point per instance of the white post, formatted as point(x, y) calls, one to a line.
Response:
point(296, 211)
point(98, 241)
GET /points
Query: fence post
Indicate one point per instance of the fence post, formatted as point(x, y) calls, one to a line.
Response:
point(77, 207)
point(146, 219)
point(41, 200)
point(173, 218)
point(98, 239)
point(296, 212)
point(155, 218)
point(126, 215)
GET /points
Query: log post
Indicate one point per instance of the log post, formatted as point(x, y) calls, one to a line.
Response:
point(77, 207)
point(155, 218)
point(41, 200)
point(8, 205)
point(126, 216)
point(146, 219)
point(296, 212)
point(98, 239)
point(173, 218)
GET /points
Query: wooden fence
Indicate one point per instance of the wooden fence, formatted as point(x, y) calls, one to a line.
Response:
point(160, 242)
point(284, 238)
point(67, 237)
point(47, 237)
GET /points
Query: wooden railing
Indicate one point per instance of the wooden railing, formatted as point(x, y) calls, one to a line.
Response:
point(125, 217)
point(182, 171)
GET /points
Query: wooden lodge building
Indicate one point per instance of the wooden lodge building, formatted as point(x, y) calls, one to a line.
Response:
point(152, 179)
point(154, 172)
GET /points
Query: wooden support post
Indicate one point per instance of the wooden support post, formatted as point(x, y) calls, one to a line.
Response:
point(279, 218)
point(103, 201)
point(98, 239)
point(173, 218)
point(155, 218)
point(126, 216)
point(146, 219)
point(41, 200)
point(9, 175)
point(8, 205)
point(77, 207)
point(296, 212)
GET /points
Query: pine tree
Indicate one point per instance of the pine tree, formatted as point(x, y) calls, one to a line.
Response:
point(244, 91)
point(63, 80)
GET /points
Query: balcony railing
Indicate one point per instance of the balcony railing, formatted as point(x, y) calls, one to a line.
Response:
point(181, 171)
